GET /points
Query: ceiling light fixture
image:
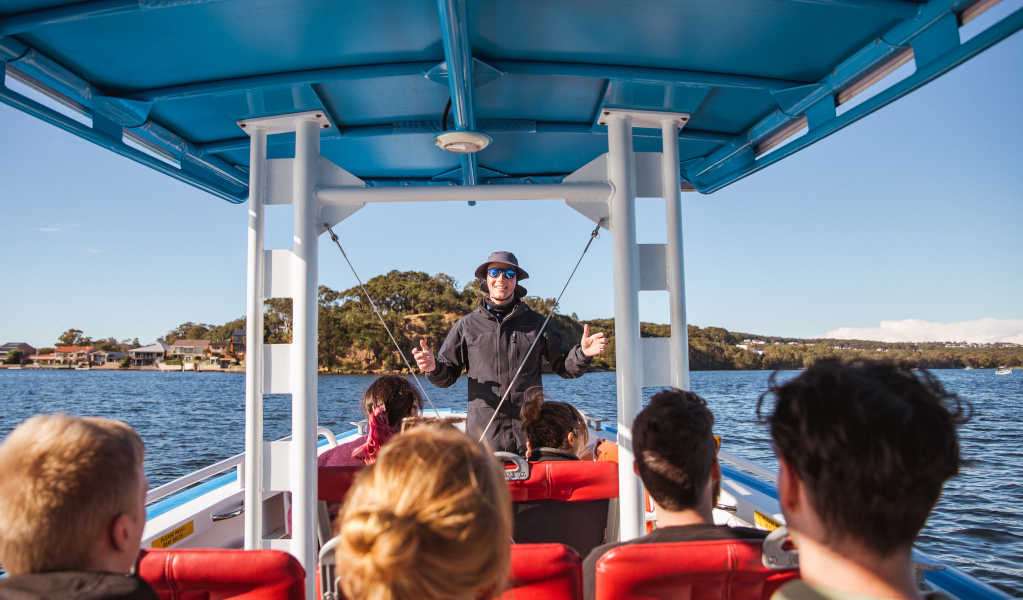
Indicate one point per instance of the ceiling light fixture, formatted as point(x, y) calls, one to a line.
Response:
point(462, 142)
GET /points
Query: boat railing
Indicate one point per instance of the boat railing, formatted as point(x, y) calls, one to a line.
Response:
point(749, 465)
point(235, 462)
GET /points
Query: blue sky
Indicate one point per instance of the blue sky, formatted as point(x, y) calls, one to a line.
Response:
point(911, 214)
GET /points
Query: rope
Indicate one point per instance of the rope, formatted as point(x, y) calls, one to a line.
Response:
point(372, 303)
point(593, 236)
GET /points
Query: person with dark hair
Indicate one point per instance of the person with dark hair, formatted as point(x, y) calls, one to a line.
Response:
point(387, 402)
point(491, 343)
point(864, 449)
point(554, 430)
point(676, 457)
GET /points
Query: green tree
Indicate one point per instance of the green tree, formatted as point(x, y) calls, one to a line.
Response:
point(73, 337)
point(108, 344)
point(277, 321)
point(13, 357)
point(186, 331)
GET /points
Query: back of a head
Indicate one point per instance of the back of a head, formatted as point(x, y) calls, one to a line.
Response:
point(64, 479)
point(873, 443)
point(396, 395)
point(673, 441)
point(547, 424)
point(431, 519)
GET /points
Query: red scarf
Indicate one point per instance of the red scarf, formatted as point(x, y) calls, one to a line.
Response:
point(378, 431)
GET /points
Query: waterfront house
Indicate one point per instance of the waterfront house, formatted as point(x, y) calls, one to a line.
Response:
point(74, 355)
point(107, 357)
point(42, 359)
point(189, 350)
point(238, 343)
point(219, 348)
point(26, 350)
point(149, 355)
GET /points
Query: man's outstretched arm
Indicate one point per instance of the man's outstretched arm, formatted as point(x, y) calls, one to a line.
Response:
point(571, 363)
point(443, 369)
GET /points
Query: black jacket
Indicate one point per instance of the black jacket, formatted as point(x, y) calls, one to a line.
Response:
point(490, 352)
point(75, 585)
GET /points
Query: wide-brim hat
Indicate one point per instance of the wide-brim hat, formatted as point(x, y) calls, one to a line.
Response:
point(502, 257)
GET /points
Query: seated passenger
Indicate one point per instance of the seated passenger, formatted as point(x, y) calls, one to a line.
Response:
point(676, 457)
point(72, 510)
point(554, 430)
point(864, 449)
point(430, 519)
point(387, 402)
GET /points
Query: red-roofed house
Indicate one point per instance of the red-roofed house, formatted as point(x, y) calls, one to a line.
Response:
point(74, 355)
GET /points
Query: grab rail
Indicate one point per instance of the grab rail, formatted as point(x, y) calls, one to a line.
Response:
point(215, 469)
point(749, 465)
point(181, 483)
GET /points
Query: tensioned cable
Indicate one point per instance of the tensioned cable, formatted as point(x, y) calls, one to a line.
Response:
point(373, 303)
point(539, 334)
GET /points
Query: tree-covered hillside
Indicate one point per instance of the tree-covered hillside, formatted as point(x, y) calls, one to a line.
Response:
point(418, 306)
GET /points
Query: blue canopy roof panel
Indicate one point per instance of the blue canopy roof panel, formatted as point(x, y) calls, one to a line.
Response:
point(170, 78)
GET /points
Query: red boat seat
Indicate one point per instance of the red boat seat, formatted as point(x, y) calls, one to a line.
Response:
point(564, 502)
point(333, 483)
point(544, 572)
point(213, 574)
point(570, 480)
point(693, 570)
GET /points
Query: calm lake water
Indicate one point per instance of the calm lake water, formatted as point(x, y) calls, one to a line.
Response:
point(191, 420)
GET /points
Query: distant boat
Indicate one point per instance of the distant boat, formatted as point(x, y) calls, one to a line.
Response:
point(1003, 371)
point(968, 368)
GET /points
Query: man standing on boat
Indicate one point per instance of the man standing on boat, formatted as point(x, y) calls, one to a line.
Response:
point(491, 342)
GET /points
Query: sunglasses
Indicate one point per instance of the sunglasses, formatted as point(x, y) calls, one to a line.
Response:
point(508, 273)
point(717, 438)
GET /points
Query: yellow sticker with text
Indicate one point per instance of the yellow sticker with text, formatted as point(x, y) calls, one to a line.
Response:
point(765, 521)
point(169, 539)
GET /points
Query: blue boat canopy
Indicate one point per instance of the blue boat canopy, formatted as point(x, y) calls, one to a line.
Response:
point(165, 82)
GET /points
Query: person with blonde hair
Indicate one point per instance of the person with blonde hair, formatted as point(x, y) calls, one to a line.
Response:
point(72, 509)
point(430, 519)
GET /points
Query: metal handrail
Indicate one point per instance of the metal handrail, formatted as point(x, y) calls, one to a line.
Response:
point(749, 465)
point(183, 482)
point(192, 478)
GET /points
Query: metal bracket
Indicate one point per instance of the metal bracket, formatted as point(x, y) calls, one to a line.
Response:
point(650, 119)
point(285, 123)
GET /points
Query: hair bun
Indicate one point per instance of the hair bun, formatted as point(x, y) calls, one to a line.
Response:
point(385, 544)
point(532, 410)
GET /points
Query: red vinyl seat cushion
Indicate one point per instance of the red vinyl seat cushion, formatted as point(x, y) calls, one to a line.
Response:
point(573, 481)
point(214, 574)
point(692, 570)
point(544, 572)
point(333, 483)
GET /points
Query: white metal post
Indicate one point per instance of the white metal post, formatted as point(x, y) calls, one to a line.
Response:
point(254, 345)
point(671, 182)
point(303, 349)
point(628, 357)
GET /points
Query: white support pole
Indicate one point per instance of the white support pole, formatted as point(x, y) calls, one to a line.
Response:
point(628, 357)
point(303, 350)
point(672, 184)
point(254, 345)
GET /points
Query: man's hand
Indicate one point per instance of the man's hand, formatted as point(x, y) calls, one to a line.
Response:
point(424, 357)
point(592, 345)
